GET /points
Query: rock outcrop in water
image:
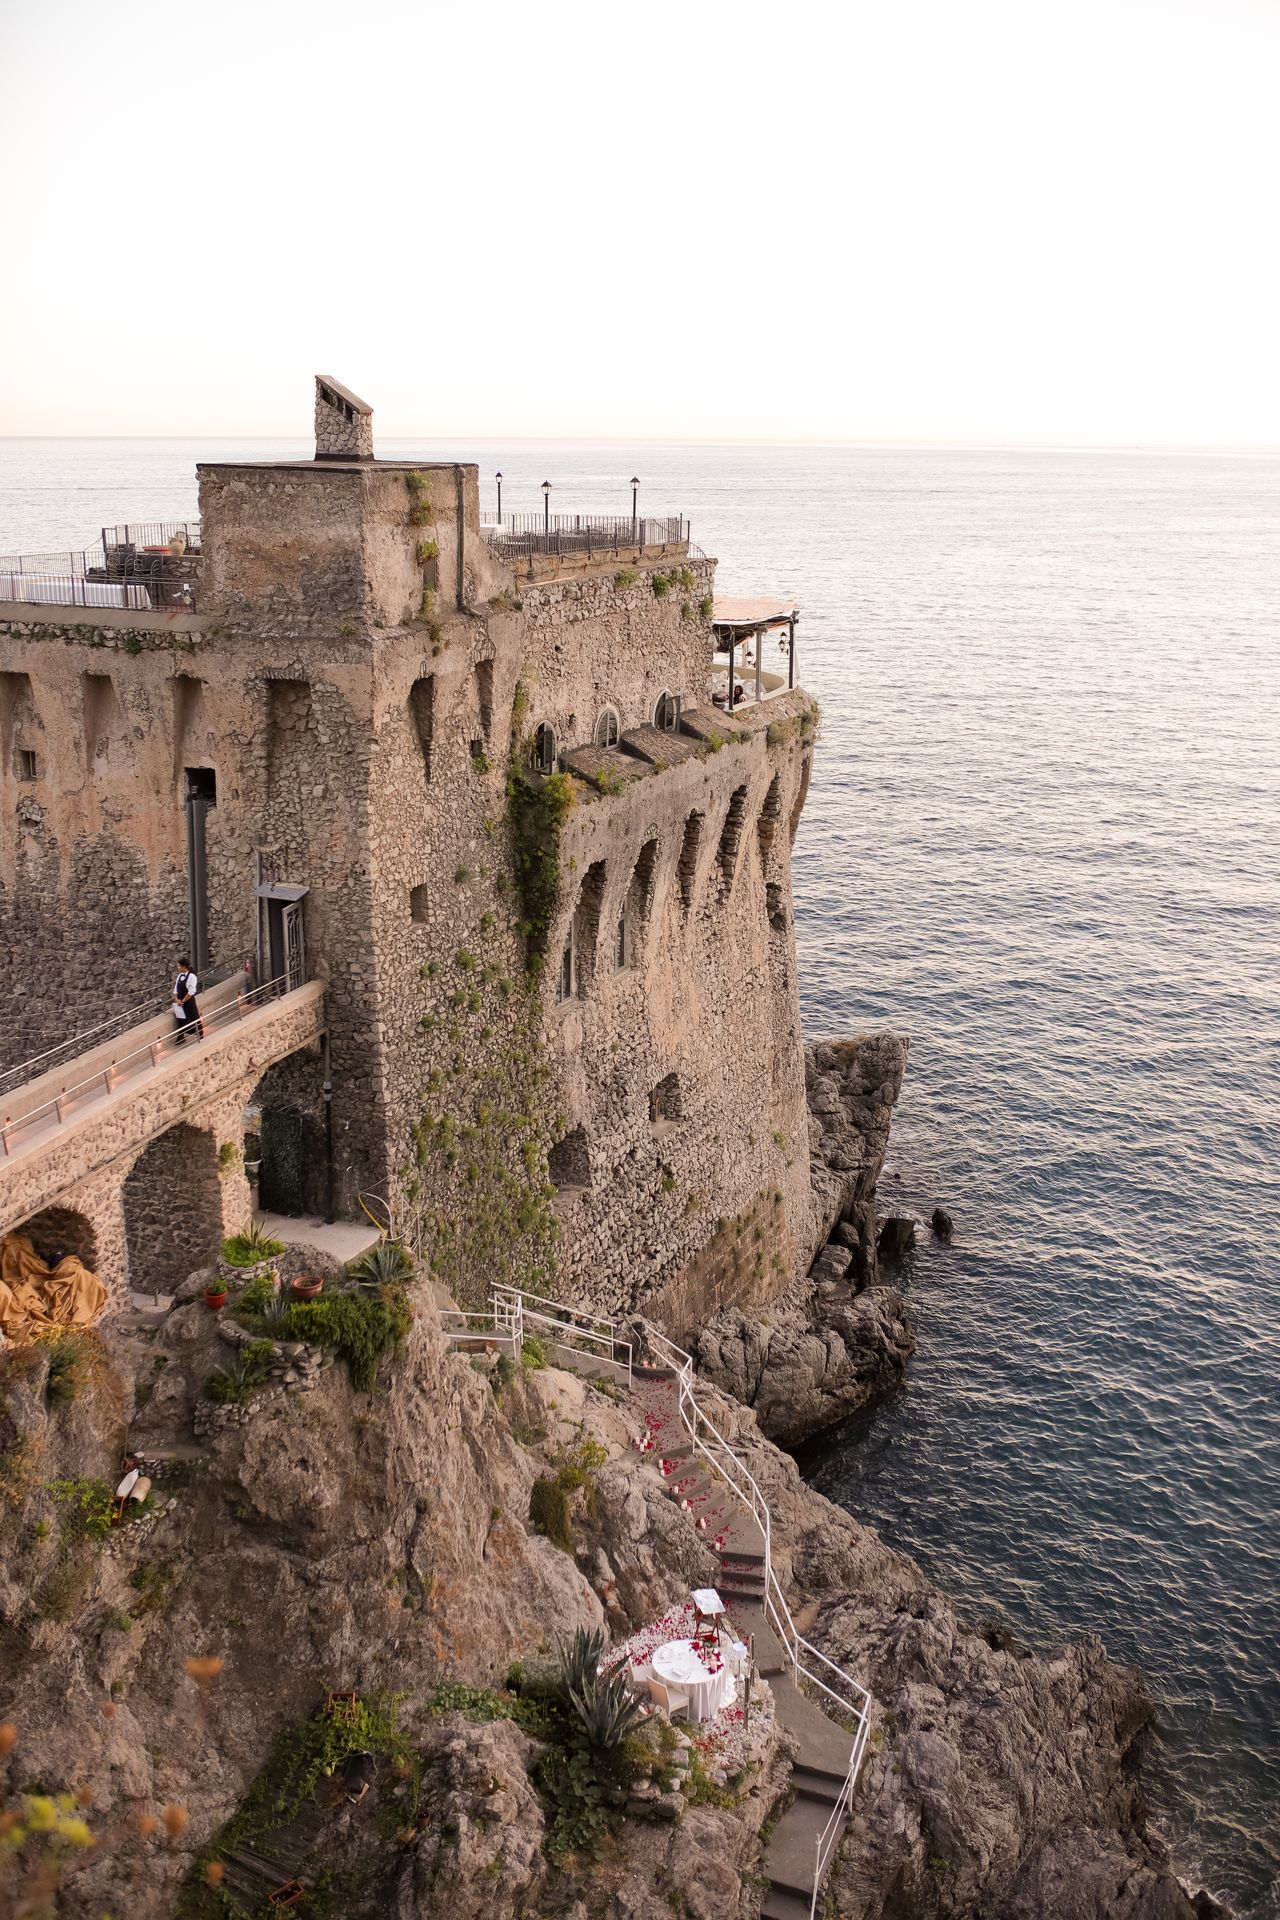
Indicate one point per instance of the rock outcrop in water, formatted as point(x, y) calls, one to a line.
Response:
point(839, 1338)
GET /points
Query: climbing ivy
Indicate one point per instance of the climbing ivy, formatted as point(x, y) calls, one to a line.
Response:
point(537, 810)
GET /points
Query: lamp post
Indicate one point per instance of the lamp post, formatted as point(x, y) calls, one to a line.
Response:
point(498, 478)
point(635, 488)
point(546, 508)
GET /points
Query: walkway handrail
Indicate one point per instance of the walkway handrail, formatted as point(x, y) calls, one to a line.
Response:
point(84, 1042)
point(510, 1310)
point(514, 1302)
point(107, 1078)
point(855, 1699)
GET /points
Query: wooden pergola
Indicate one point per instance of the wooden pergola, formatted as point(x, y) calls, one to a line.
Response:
point(734, 621)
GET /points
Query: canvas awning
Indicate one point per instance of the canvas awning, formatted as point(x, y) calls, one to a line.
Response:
point(739, 617)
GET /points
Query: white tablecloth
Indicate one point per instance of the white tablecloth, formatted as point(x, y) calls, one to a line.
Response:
point(677, 1665)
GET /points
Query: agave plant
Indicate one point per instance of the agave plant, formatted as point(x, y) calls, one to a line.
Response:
point(275, 1309)
point(580, 1659)
point(608, 1712)
point(389, 1260)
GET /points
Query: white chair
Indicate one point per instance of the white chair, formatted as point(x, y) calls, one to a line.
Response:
point(670, 1699)
point(639, 1674)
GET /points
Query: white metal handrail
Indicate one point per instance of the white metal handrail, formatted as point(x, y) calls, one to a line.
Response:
point(563, 1324)
point(511, 1312)
point(108, 1078)
point(855, 1701)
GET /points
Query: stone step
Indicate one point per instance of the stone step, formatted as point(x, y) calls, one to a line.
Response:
point(817, 1783)
point(779, 1904)
point(792, 1854)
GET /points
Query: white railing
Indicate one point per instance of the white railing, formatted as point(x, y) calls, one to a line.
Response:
point(516, 1313)
point(850, 1700)
point(153, 1053)
point(595, 1335)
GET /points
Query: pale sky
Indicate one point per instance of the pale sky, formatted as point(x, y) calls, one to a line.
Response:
point(883, 220)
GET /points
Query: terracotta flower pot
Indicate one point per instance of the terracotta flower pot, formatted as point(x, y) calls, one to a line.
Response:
point(306, 1286)
point(215, 1298)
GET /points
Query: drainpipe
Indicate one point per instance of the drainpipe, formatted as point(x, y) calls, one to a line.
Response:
point(197, 882)
point(462, 533)
point(791, 653)
point(328, 1126)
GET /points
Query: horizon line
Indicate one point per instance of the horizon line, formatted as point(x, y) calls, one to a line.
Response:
point(1257, 447)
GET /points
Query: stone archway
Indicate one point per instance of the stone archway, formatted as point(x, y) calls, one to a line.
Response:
point(59, 1230)
point(172, 1209)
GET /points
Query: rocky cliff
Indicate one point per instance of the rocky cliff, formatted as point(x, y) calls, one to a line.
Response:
point(322, 1549)
point(839, 1337)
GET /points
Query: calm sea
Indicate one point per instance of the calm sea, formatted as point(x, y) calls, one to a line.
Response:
point(1042, 840)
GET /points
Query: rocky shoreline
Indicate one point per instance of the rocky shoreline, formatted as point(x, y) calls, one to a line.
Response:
point(328, 1540)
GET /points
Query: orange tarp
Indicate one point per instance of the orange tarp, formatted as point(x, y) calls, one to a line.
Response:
point(35, 1296)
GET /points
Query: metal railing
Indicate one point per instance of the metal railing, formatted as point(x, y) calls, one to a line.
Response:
point(139, 1060)
point(517, 1312)
point(522, 536)
point(140, 565)
point(89, 1038)
point(514, 1312)
point(152, 533)
point(851, 1701)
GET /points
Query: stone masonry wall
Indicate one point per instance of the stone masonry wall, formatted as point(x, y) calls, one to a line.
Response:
point(360, 724)
point(172, 1208)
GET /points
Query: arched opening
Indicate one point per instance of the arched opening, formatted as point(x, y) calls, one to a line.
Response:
point(608, 728)
point(666, 714)
point(172, 1209)
point(544, 749)
point(687, 869)
point(633, 921)
point(731, 836)
point(770, 815)
point(285, 1143)
point(60, 1230)
point(586, 926)
point(569, 1162)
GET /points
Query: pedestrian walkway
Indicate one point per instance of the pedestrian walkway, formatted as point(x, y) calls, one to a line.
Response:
point(802, 1844)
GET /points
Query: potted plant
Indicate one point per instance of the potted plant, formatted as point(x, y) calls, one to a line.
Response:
point(215, 1295)
point(306, 1286)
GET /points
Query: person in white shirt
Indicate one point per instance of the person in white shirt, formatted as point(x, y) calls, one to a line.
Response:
point(186, 1011)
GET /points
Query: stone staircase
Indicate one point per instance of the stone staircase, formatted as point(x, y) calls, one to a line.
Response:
point(819, 1774)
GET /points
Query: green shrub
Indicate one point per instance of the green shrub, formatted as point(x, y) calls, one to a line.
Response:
point(626, 577)
point(86, 1508)
point(661, 584)
point(68, 1356)
point(566, 1778)
point(534, 1352)
point(249, 1248)
point(549, 1511)
point(258, 1294)
point(363, 1327)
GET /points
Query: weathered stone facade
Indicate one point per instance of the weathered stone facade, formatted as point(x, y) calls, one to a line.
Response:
point(363, 690)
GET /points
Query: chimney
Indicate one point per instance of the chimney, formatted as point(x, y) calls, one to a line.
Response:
point(344, 422)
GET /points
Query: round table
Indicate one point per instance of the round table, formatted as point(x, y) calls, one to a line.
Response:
point(677, 1665)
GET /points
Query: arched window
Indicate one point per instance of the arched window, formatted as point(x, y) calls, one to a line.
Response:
point(544, 749)
point(607, 728)
point(666, 715)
